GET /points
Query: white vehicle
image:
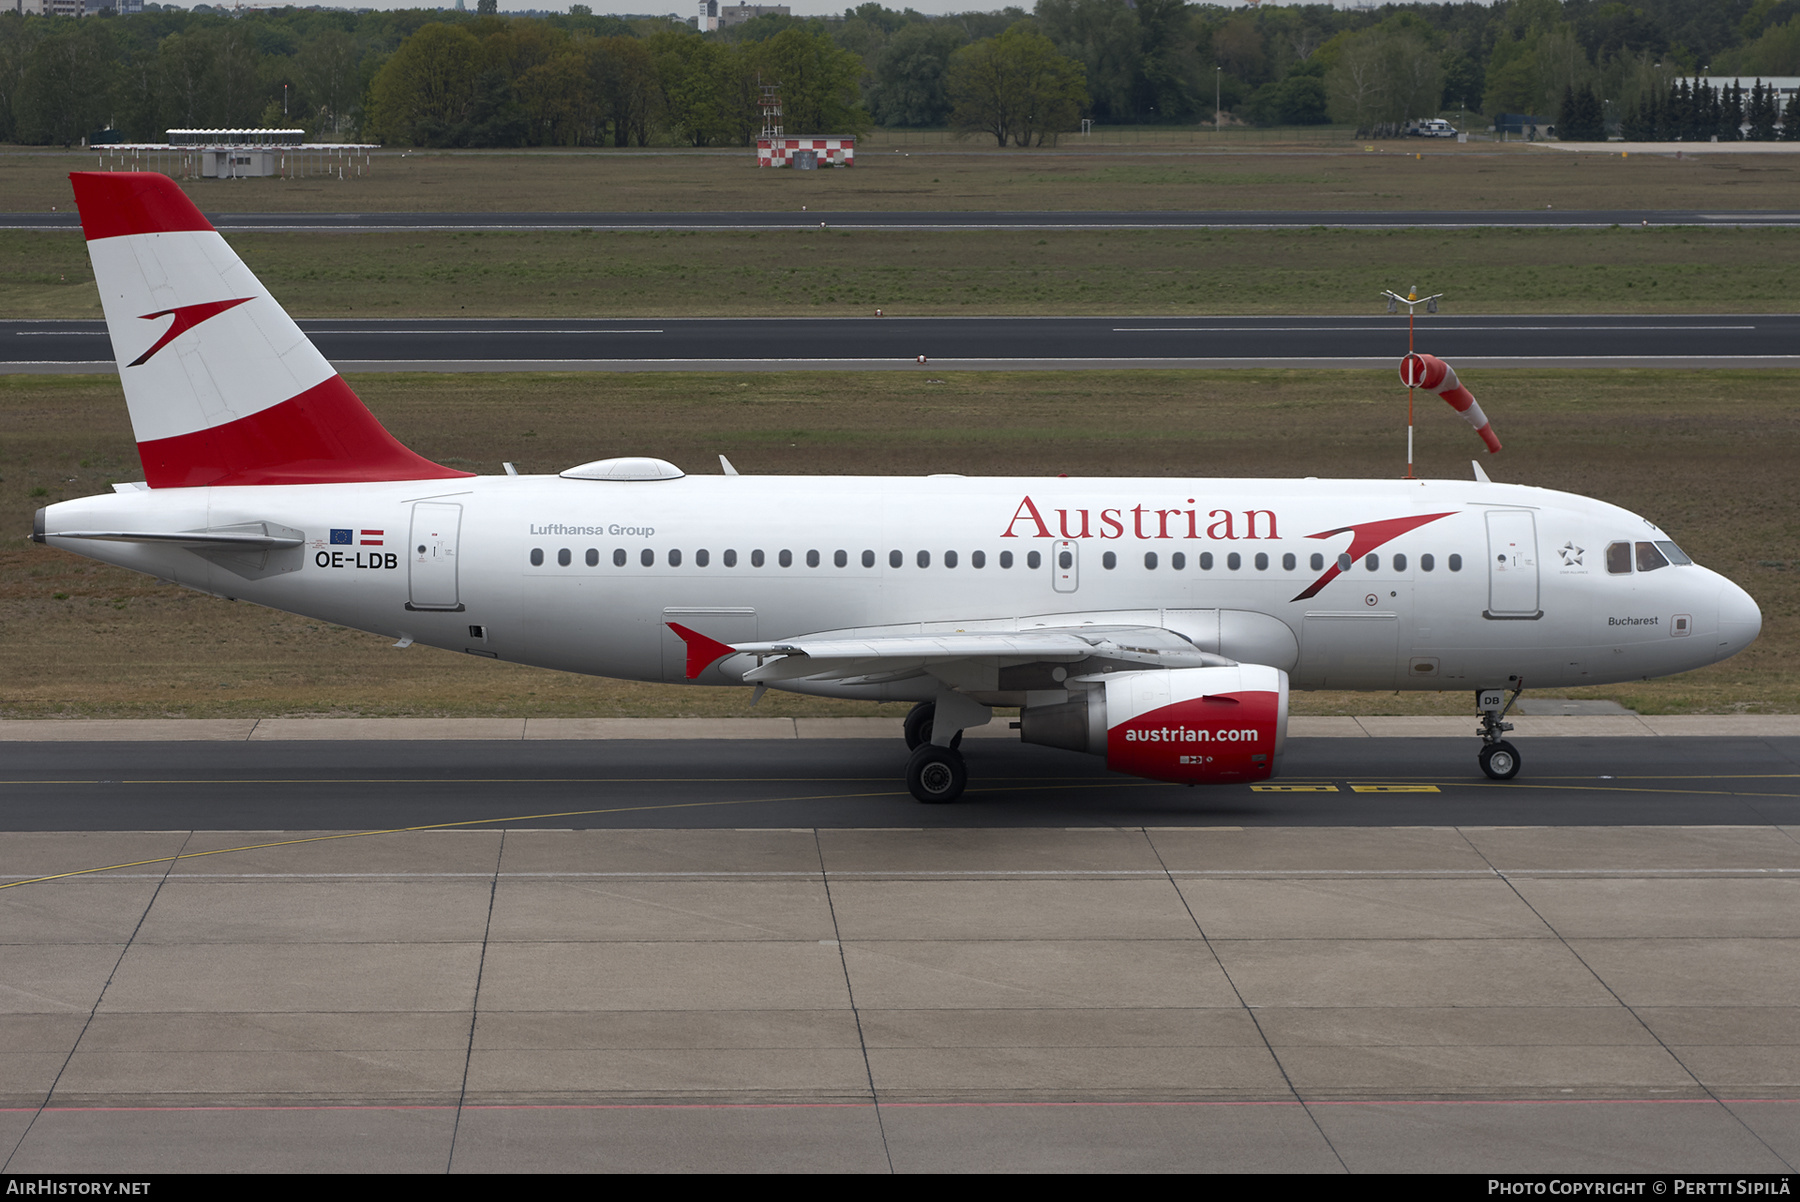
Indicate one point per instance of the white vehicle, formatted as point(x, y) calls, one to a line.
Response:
point(1156, 622)
point(1434, 128)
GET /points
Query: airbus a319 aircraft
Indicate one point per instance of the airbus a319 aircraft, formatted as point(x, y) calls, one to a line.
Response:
point(1159, 623)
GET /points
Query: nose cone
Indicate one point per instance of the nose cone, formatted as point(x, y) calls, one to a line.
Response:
point(1740, 621)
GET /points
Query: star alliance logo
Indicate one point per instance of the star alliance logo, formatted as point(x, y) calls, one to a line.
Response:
point(1571, 554)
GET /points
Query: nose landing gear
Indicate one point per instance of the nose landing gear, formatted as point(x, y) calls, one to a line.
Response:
point(1499, 759)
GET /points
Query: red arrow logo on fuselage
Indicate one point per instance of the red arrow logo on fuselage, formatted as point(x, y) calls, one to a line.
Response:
point(186, 318)
point(1367, 537)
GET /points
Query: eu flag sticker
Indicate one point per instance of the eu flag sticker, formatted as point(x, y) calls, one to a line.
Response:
point(340, 538)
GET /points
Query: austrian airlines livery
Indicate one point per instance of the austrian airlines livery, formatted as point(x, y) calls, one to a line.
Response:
point(1155, 622)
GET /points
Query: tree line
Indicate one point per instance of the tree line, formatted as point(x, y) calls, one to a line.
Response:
point(442, 78)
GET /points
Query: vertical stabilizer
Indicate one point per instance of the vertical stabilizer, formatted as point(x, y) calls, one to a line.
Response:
point(222, 386)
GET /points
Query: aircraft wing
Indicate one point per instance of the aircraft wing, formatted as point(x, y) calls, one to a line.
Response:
point(872, 655)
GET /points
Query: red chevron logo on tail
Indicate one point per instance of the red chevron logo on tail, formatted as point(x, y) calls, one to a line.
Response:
point(186, 318)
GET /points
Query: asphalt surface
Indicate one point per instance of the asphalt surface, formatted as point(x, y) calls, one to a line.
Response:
point(502, 343)
point(1546, 218)
point(853, 783)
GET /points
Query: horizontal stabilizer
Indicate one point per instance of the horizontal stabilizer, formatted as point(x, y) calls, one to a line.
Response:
point(254, 536)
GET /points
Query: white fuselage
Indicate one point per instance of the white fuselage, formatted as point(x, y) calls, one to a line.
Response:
point(1511, 584)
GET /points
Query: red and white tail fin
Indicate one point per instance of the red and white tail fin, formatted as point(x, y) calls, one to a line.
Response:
point(222, 386)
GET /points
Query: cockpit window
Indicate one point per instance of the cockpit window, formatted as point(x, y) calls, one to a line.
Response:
point(1649, 558)
point(1618, 559)
point(1675, 554)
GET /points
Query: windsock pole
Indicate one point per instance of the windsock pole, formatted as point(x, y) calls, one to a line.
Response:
point(1412, 300)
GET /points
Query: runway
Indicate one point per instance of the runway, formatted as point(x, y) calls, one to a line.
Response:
point(1546, 218)
point(858, 783)
point(990, 343)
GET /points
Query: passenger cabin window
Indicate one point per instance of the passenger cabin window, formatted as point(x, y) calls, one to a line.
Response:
point(924, 559)
point(868, 559)
point(1649, 558)
point(1399, 563)
point(1178, 560)
point(1288, 562)
point(1427, 562)
point(1109, 561)
point(978, 559)
point(841, 558)
point(593, 558)
point(1344, 562)
point(1262, 561)
point(537, 557)
point(675, 559)
point(1455, 563)
point(949, 559)
point(731, 559)
point(1234, 561)
point(756, 559)
point(1006, 559)
point(1033, 560)
point(648, 558)
point(1618, 559)
point(563, 557)
point(896, 558)
point(1150, 560)
point(1206, 561)
point(785, 559)
point(700, 558)
point(812, 559)
point(619, 557)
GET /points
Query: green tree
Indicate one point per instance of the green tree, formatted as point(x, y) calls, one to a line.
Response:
point(911, 79)
point(820, 83)
point(1384, 78)
point(330, 80)
point(1016, 86)
point(427, 88)
point(68, 83)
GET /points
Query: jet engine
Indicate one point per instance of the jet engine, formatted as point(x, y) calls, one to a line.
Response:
point(1192, 725)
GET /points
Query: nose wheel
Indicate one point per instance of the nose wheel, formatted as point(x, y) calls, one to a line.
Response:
point(1499, 759)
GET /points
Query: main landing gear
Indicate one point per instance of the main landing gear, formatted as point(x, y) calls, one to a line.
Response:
point(1499, 759)
point(935, 774)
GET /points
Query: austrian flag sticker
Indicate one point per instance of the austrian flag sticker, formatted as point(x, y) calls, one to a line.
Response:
point(370, 538)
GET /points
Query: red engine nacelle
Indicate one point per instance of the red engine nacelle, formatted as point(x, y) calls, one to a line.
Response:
point(1201, 725)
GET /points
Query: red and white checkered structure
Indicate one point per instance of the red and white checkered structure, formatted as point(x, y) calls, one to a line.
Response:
point(835, 149)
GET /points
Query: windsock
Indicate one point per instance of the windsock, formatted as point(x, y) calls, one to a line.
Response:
point(1434, 375)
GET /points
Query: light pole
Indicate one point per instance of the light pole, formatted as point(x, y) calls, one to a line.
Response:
point(1217, 70)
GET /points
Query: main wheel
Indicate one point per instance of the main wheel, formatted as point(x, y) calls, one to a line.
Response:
point(1500, 760)
point(918, 726)
point(936, 775)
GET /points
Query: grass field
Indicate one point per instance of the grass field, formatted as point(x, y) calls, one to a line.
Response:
point(1708, 455)
point(824, 272)
point(924, 172)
